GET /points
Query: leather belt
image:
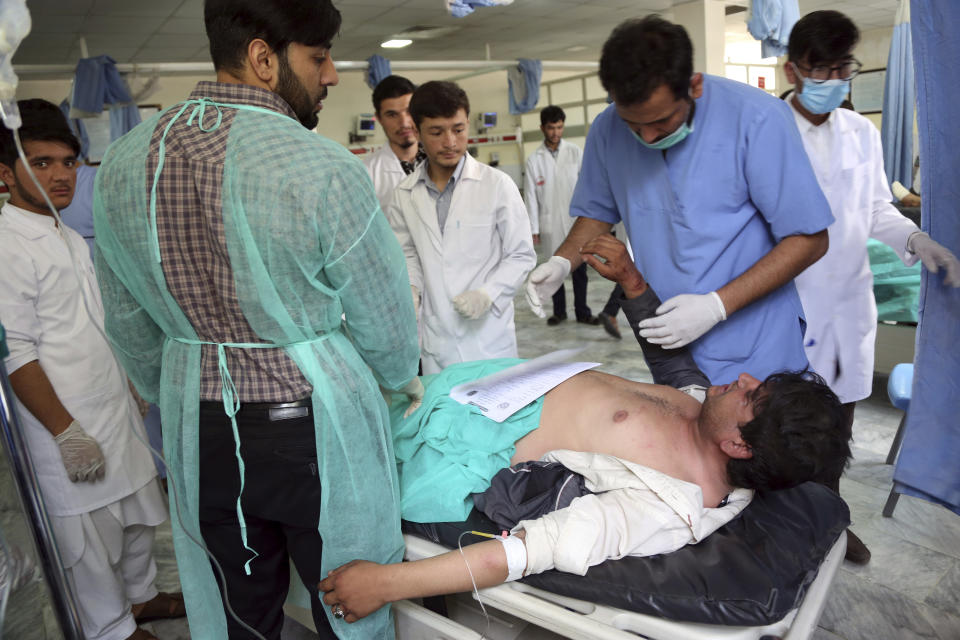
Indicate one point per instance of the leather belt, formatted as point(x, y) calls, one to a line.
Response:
point(275, 411)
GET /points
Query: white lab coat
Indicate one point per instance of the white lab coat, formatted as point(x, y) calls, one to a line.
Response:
point(42, 310)
point(548, 188)
point(385, 171)
point(837, 291)
point(485, 244)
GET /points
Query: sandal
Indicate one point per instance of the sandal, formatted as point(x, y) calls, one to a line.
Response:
point(163, 605)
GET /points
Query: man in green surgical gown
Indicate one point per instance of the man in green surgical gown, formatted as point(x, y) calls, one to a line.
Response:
point(255, 291)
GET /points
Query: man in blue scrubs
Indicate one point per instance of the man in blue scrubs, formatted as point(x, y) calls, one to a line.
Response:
point(718, 197)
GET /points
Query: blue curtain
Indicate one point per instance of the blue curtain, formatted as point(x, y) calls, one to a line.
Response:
point(96, 83)
point(928, 465)
point(899, 98)
point(378, 68)
point(523, 82)
point(460, 8)
point(123, 117)
point(78, 128)
point(770, 22)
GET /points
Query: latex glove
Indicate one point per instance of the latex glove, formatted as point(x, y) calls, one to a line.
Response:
point(416, 300)
point(682, 319)
point(81, 454)
point(414, 391)
point(544, 282)
point(934, 255)
point(472, 304)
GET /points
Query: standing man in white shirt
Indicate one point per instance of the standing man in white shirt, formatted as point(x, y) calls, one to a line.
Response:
point(79, 418)
point(549, 179)
point(397, 159)
point(844, 149)
point(466, 236)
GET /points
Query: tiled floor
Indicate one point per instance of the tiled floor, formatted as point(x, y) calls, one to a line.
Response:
point(911, 587)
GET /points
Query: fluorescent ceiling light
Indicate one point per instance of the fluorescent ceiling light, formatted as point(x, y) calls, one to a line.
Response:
point(395, 44)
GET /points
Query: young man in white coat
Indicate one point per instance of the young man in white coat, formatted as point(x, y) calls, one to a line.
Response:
point(79, 418)
point(397, 159)
point(549, 179)
point(466, 236)
point(844, 149)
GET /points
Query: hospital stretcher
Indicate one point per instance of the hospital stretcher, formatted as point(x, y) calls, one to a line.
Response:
point(582, 620)
point(766, 572)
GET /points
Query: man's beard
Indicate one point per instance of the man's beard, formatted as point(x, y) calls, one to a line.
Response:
point(29, 198)
point(295, 94)
point(406, 144)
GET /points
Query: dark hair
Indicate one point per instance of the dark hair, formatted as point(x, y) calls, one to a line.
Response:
point(552, 114)
point(437, 99)
point(798, 434)
point(643, 54)
point(391, 87)
point(232, 24)
point(821, 37)
point(42, 121)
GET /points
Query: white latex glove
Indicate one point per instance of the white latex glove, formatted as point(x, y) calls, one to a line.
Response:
point(472, 304)
point(81, 454)
point(416, 300)
point(934, 255)
point(414, 391)
point(544, 282)
point(682, 319)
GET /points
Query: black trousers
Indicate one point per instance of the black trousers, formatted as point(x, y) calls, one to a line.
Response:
point(580, 308)
point(281, 506)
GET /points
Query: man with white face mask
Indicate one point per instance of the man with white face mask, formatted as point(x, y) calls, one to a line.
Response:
point(844, 149)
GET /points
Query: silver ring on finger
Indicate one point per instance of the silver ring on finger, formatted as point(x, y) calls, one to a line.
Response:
point(338, 612)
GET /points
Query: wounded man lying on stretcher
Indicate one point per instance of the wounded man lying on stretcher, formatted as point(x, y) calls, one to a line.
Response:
point(660, 469)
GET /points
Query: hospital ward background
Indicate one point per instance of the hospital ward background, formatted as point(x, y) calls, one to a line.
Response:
point(911, 586)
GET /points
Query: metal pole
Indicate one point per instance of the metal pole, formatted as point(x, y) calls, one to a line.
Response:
point(194, 68)
point(21, 467)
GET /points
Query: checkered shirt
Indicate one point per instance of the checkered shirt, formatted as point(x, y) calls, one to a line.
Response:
point(194, 253)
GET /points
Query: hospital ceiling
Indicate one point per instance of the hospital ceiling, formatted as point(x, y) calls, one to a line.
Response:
point(172, 30)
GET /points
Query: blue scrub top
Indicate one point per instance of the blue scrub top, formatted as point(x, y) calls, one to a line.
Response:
point(79, 215)
point(707, 210)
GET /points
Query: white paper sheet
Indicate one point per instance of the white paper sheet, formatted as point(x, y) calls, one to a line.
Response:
point(504, 393)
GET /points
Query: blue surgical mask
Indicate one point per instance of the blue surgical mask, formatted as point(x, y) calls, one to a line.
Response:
point(667, 141)
point(823, 97)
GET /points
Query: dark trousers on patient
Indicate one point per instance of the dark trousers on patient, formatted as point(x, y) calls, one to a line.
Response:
point(580, 308)
point(281, 506)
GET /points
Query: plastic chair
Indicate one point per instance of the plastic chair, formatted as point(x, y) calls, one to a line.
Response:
point(899, 389)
